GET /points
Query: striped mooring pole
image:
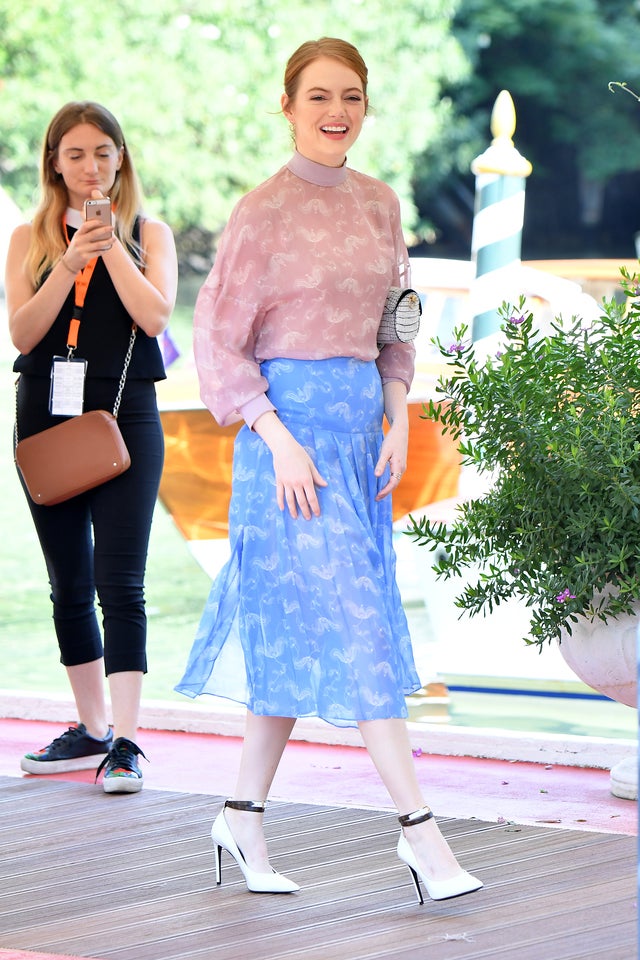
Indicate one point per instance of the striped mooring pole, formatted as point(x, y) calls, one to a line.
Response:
point(496, 240)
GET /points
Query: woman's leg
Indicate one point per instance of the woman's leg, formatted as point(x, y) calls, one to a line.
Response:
point(264, 741)
point(87, 684)
point(64, 532)
point(126, 691)
point(122, 513)
point(388, 744)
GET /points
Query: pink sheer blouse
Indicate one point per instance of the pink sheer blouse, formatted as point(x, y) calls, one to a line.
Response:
point(302, 271)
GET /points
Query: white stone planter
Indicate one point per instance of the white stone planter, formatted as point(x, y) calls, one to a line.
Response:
point(604, 656)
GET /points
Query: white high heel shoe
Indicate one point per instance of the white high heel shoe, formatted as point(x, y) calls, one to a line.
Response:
point(457, 886)
point(222, 837)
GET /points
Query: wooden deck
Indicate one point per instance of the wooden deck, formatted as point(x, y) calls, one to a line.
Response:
point(132, 878)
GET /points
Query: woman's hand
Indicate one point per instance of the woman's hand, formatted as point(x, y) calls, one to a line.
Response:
point(394, 453)
point(396, 442)
point(90, 240)
point(296, 474)
point(32, 312)
point(296, 479)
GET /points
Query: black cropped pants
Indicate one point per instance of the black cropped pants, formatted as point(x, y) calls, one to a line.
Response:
point(97, 542)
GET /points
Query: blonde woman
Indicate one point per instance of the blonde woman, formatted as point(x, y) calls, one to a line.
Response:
point(114, 274)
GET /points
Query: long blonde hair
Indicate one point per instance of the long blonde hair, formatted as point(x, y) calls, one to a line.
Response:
point(48, 244)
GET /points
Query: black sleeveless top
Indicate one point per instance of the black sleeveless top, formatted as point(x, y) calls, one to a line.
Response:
point(103, 338)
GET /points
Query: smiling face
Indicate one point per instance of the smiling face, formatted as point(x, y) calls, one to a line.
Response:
point(327, 111)
point(87, 159)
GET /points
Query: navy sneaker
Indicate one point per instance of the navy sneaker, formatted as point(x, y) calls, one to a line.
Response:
point(122, 774)
point(74, 750)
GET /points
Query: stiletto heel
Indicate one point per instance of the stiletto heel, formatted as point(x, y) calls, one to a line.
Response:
point(222, 837)
point(457, 886)
point(218, 855)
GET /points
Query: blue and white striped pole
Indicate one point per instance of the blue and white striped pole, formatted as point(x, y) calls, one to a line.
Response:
point(496, 241)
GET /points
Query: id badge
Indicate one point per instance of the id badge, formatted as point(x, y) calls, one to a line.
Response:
point(66, 397)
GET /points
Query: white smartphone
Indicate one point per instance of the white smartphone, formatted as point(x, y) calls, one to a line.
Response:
point(98, 209)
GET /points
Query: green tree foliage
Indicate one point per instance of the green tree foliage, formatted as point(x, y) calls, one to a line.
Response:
point(197, 88)
point(556, 58)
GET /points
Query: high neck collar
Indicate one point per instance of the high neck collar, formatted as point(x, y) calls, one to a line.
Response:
point(316, 173)
point(74, 218)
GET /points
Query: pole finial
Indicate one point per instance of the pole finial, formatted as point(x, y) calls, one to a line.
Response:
point(502, 157)
point(503, 118)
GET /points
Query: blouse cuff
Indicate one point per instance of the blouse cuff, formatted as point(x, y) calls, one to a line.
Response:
point(396, 380)
point(255, 408)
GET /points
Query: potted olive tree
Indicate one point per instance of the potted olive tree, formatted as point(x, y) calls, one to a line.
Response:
point(553, 419)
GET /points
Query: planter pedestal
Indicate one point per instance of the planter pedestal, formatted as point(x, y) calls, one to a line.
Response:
point(624, 779)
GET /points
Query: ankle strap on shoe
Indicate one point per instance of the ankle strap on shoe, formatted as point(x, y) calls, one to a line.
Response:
point(418, 816)
point(251, 805)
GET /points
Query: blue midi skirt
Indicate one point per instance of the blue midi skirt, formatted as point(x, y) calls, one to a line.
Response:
point(305, 619)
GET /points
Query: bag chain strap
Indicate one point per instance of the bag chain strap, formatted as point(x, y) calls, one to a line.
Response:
point(123, 377)
point(15, 422)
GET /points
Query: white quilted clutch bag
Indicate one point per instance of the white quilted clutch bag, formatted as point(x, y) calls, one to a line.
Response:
point(400, 317)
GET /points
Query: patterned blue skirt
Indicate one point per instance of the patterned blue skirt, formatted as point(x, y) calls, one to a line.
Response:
point(305, 619)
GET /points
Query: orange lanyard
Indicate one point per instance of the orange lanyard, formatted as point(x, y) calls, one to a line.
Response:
point(83, 278)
